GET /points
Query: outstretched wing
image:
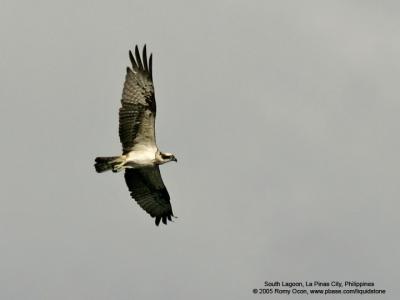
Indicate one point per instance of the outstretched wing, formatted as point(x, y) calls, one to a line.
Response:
point(148, 189)
point(138, 111)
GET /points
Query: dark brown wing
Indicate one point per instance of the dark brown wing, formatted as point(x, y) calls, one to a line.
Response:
point(148, 189)
point(138, 111)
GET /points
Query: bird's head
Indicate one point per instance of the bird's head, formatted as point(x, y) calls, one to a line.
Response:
point(164, 157)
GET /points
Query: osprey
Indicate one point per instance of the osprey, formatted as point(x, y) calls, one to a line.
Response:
point(140, 155)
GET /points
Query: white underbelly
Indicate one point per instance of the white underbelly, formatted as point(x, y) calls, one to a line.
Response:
point(141, 158)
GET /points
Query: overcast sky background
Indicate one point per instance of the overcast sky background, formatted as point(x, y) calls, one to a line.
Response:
point(284, 116)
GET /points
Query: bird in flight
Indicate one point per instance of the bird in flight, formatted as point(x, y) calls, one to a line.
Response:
point(140, 157)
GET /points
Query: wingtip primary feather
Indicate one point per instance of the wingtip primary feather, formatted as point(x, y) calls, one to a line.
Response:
point(151, 65)
point(164, 219)
point(138, 59)
point(144, 54)
point(132, 59)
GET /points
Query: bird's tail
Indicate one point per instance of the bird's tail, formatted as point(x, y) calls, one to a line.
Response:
point(114, 163)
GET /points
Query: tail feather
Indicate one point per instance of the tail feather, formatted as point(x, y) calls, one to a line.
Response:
point(103, 164)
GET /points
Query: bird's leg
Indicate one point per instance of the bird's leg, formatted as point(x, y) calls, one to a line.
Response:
point(118, 165)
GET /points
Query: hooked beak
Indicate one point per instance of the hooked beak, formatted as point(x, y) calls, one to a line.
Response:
point(174, 159)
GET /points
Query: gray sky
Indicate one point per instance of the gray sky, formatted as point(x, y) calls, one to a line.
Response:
point(284, 116)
